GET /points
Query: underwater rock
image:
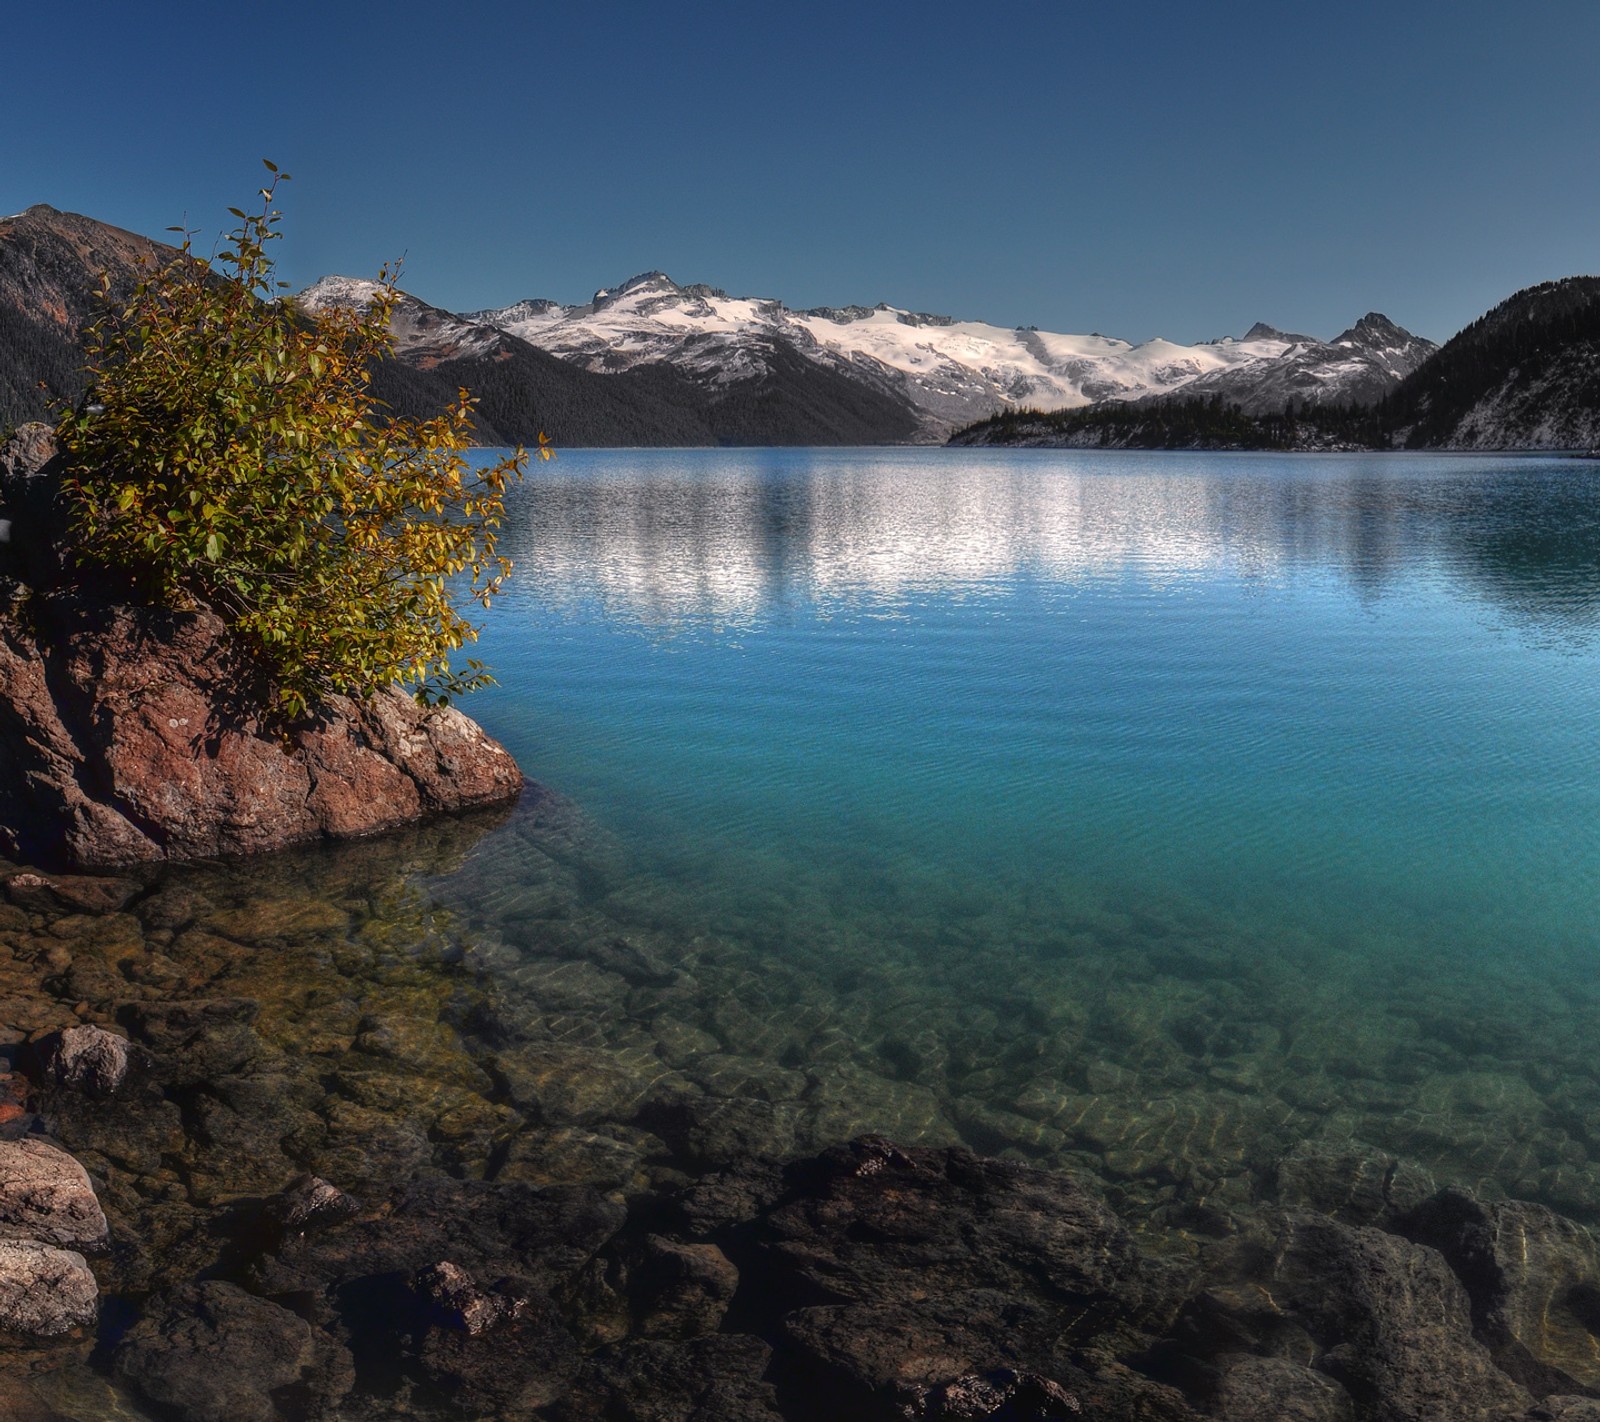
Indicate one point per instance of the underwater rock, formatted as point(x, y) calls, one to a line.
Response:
point(1394, 1320)
point(69, 893)
point(20, 1403)
point(1279, 1390)
point(720, 1378)
point(560, 1085)
point(490, 1350)
point(683, 1289)
point(1534, 1281)
point(457, 1302)
point(1355, 1184)
point(311, 1203)
point(1002, 1393)
point(612, 1159)
point(195, 1041)
point(45, 1195)
point(895, 1361)
point(714, 1132)
point(44, 1291)
point(1566, 1408)
point(87, 1059)
point(213, 1353)
point(877, 1223)
point(489, 1229)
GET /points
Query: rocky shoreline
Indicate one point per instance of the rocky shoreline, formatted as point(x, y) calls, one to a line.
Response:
point(131, 733)
point(322, 1200)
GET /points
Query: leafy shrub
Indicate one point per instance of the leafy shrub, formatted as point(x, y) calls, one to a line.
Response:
point(229, 453)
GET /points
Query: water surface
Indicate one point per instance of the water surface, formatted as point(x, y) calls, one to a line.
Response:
point(993, 793)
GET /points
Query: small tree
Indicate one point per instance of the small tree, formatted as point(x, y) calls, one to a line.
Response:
point(228, 453)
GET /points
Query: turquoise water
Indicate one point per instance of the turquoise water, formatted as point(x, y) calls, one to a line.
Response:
point(1357, 693)
point(1242, 783)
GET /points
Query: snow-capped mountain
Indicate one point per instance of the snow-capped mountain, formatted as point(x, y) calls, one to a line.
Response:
point(951, 372)
point(423, 335)
point(1357, 367)
point(757, 391)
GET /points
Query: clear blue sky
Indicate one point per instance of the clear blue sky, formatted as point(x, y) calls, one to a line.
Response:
point(1177, 169)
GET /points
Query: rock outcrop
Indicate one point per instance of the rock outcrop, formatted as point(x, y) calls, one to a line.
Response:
point(130, 733)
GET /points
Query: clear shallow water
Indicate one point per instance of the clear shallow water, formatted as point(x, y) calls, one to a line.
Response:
point(1160, 816)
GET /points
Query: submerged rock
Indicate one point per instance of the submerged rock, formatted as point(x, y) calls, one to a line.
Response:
point(311, 1203)
point(1000, 1394)
point(1534, 1282)
point(717, 1379)
point(69, 893)
point(44, 1292)
point(45, 1195)
point(1394, 1320)
point(88, 1059)
point(489, 1349)
point(213, 1353)
point(130, 733)
point(1279, 1390)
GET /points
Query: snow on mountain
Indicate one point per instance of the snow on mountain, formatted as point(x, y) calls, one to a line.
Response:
point(424, 335)
point(1357, 367)
point(952, 372)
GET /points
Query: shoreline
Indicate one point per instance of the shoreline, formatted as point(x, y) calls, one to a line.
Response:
point(316, 1012)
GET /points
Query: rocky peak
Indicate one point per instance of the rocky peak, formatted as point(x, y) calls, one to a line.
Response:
point(645, 285)
point(1374, 329)
point(1263, 332)
point(337, 291)
point(526, 310)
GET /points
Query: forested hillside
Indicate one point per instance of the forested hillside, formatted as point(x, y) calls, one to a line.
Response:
point(1524, 375)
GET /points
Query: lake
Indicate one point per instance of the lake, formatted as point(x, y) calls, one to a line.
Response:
point(1151, 813)
point(1219, 830)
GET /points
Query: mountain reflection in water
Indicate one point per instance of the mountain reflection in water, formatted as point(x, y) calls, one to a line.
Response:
point(668, 539)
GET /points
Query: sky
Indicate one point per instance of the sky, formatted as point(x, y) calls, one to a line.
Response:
point(1172, 169)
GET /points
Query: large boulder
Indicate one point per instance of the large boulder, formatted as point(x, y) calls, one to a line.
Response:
point(132, 733)
point(46, 1195)
point(213, 1353)
point(1534, 1282)
point(44, 1291)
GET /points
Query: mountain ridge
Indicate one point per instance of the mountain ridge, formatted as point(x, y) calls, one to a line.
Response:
point(650, 361)
point(949, 370)
point(1524, 376)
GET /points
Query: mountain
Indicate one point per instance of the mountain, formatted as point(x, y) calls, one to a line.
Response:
point(50, 266)
point(1360, 366)
point(520, 390)
point(651, 362)
point(771, 397)
point(950, 372)
point(1526, 375)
